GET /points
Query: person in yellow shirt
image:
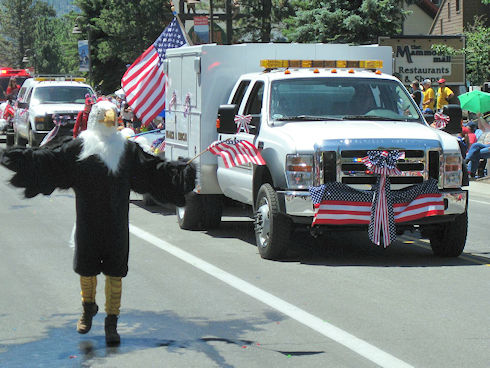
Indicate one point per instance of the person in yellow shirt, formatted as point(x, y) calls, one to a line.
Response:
point(429, 97)
point(444, 94)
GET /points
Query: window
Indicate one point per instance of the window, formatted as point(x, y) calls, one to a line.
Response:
point(457, 5)
point(240, 91)
point(448, 10)
point(254, 104)
point(442, 28)
point(60, 94)
point(305, 99)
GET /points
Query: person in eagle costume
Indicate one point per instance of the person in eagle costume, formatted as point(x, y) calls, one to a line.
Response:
point(102, 167)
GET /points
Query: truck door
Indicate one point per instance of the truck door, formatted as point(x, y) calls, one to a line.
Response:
point(237, 182)
point(21, 119)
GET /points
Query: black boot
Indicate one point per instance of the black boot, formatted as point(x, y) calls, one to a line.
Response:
point(111, 335)
point(84, 324)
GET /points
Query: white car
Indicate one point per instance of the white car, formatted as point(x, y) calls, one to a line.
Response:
point(40, 99)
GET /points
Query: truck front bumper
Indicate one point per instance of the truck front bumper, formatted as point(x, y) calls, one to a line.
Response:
point(298, 203)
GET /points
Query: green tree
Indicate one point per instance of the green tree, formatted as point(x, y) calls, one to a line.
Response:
point(344, 21)
point(120, 31)
point(261, 21)
point(476, 52)
point(18, 20)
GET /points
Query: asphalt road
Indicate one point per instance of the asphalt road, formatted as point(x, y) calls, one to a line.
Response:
point(206, 299)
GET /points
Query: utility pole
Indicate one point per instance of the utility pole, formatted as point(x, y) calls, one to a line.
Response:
point(229, 23)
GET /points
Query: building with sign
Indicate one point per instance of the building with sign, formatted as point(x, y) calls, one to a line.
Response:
point(454, 16)
point(414, 59)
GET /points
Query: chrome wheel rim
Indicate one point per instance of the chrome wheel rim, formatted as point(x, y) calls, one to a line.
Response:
point(262, 223)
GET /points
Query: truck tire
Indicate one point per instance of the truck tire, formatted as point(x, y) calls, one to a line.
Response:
point(189, 217)
point(272, 228)
point(448, 239)
point(18, 140)
point(212, 205)
point(32, 139)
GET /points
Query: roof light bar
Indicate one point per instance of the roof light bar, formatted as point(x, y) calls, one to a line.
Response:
point(359, 64)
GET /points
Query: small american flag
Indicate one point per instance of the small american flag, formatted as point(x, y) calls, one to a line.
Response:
point(144, 81)
point(158, 145)
point(236, 152)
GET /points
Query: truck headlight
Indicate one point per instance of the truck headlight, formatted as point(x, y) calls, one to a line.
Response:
point(453, 170)
point(299, 171)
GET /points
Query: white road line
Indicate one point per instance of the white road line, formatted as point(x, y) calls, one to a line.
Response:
point(342, 337)
point(474, 200)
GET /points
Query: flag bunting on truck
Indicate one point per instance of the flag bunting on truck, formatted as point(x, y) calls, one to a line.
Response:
point(380, 208)
point(187, 105)
point(58, 121)
point(236, 152)
point(242, 122)
point(440, 120)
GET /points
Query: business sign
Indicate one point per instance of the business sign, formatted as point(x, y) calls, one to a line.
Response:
point(201, 30)
point(414, 59)
point(83, 56)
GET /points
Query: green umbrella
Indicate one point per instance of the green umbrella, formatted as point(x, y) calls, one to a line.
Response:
point(475, 101)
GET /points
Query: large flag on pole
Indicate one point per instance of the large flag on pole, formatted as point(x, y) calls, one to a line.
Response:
point(144, 81)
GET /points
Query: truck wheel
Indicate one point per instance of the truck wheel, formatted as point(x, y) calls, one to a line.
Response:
point(212, 205)
point(448, 239)
point(32, 139)
point(18, 140)
point(272, 228)
point(189, 217)
point(9, 137)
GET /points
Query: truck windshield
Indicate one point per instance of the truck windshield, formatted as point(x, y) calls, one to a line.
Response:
point(341, 99)
point(60, 94)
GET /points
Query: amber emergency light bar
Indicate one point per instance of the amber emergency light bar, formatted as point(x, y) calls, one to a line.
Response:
point(360, 64)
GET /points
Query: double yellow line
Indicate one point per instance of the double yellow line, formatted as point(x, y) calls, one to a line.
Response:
point(425, 244)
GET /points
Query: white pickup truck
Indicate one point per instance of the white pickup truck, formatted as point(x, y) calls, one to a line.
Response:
point(315, 110)
point(40, 99)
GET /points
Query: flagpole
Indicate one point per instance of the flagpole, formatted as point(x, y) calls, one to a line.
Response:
point(202, 152)
point(196, 156)
point(148, 132)
point(182, 27)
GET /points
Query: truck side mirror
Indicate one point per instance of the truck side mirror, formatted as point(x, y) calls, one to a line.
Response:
point(455, 115)
point(226, 117)
point(22, 105)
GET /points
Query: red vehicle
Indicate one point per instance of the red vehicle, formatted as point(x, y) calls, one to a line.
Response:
point(6, 73)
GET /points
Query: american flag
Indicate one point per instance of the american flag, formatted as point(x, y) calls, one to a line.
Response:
point(338, 204)
point(144, 81)
point(158, 145)
point(236, 152)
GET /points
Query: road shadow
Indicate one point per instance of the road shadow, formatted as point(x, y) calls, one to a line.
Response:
point(340, 248)
point(62, 346)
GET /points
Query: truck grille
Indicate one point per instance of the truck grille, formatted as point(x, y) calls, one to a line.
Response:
point(344, 166)
point(64, 128)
